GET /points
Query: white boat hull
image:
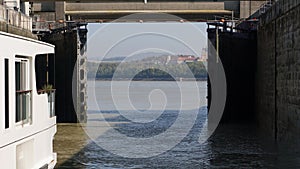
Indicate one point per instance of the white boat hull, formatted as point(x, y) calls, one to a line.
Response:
point(24, 144)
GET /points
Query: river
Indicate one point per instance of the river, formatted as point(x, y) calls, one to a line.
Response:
point(231, 146)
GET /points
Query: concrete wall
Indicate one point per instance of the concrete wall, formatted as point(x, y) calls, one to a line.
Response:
point(4, 27)
point(278, 71)
point(70, 75)
point(15, 22)
point(15, 18)
point(247, 8)
point(238, 55)
point(237, 51)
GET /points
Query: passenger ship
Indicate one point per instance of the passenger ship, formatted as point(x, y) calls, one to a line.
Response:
point(27, 120)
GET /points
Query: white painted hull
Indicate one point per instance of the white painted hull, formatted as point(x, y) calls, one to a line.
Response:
point(24, 145)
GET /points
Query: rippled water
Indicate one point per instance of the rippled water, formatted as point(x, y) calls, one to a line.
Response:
point(231, 146)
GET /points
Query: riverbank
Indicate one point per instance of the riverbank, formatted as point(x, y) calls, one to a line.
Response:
point(149, 79)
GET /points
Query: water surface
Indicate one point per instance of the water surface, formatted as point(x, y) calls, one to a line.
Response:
point(231, 146)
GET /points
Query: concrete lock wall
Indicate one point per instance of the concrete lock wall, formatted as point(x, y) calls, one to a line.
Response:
point(70, 74)
point(278, 71)
point(237, 52)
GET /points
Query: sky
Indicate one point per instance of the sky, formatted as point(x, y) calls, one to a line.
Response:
point(107, 40)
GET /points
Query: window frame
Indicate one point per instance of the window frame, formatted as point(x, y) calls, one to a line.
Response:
point(24, 88)
point(6, 94)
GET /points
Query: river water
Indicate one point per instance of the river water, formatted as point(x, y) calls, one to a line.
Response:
point(93, 145)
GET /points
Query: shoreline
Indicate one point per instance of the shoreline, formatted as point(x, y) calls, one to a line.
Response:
point(148, 79)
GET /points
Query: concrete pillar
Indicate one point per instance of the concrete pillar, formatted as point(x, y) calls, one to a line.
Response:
point(247, 8)
point(81, 91)
point(233, 6)
point(24, 7)
point(60, 8)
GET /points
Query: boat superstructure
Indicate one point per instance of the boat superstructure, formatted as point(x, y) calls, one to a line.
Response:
point(27, 119)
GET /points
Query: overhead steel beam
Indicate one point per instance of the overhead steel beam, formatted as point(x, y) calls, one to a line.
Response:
point(189, 10)
point(146, 15)
point(109, 12)
point(108, 1)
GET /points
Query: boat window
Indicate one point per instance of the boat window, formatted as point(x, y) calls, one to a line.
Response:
point(23, 91)
point(44, 72)
point(6, 91)
point(45, 81)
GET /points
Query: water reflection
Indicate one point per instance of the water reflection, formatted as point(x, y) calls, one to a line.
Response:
point(231, 146)
point(188, 154)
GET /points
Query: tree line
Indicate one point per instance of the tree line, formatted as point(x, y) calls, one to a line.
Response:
point(146, 70)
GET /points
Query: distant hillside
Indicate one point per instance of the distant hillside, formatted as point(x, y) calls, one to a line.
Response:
point(148, 68)
point(138, 56)
point(114, 59)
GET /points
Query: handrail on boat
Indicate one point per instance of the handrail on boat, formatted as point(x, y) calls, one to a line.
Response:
point(46, 91)
point(23, 91)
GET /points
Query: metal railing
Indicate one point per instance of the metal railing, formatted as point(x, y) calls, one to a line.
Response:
point(265, 6)
point(48, 26)
point(44, 26)
point(51, 100)
point(15, 18)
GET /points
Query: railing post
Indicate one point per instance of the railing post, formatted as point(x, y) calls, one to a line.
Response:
point(7, 20)
point(15, 18)
point(51, 100)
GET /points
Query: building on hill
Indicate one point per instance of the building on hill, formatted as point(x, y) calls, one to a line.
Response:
point(186, 58)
